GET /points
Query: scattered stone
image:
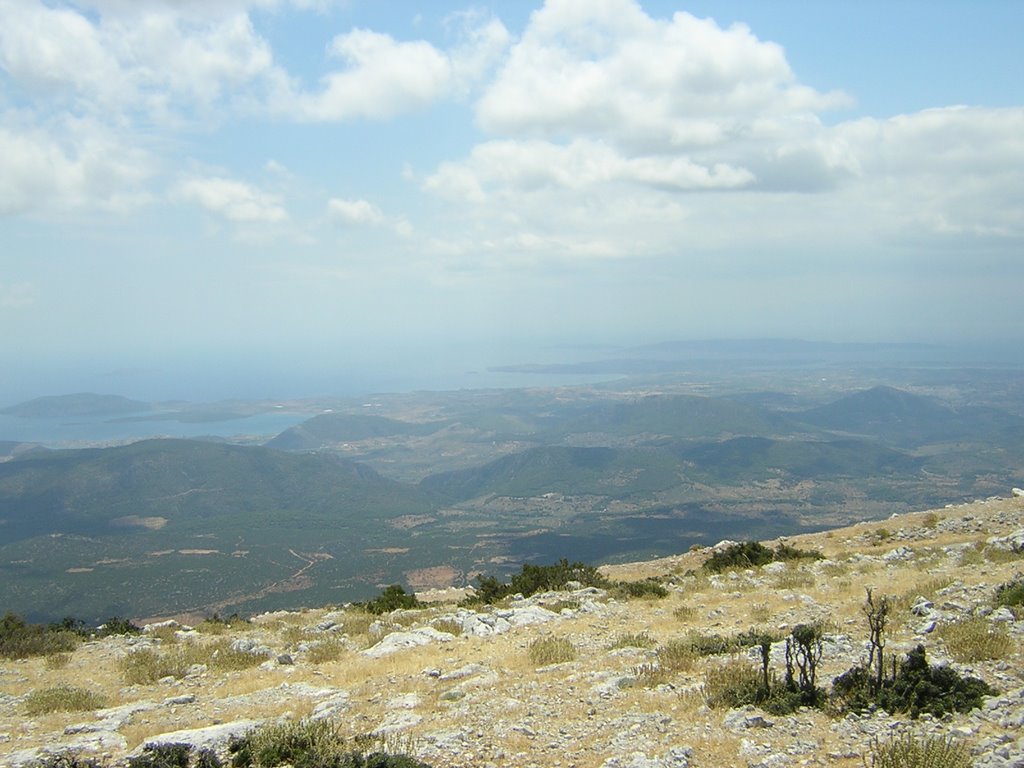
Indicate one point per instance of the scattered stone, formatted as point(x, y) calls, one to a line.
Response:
point(398, 641)
point(213, 737)
point(745, 718)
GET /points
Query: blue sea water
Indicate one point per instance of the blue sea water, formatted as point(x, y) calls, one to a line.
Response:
point(65, 432)
point(209, 380)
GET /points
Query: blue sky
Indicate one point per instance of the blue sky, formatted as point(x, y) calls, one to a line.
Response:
point(260, 182)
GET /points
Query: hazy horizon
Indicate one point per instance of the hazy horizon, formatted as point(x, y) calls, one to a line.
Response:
point(370, 193)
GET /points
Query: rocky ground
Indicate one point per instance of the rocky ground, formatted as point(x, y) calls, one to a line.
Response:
point(457, 687)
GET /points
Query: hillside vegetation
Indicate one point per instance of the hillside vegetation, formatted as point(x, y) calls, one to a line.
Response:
point(431, 489)
point(752, 654)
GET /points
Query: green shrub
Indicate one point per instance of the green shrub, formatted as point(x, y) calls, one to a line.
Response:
point(785, 553)
point(162, 756)
point(746, 555)
point(116, 625)
point(392, 598)
point(751, 554)
point(62, 698)
point(909, 751)
point(648, 588)
point(67, 760)
point(537, 578)
point(551, 650)
point(916, 688)
point(308, 744)
point(710, 644)
point(735, 683)
point(174, 756)
point(20, 640)
point(1011, 594)
point(975, 639)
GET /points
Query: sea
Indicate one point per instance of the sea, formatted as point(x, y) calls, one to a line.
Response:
point(227, 382)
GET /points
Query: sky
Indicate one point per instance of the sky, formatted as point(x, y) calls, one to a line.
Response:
point(237, 184)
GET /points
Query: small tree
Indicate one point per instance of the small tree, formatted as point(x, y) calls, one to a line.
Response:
point(803, 654)
point(877, 614)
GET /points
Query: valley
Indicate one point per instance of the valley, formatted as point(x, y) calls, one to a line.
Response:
point(435, 488)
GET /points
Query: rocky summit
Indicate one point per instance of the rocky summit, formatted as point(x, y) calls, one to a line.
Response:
point(584, 676)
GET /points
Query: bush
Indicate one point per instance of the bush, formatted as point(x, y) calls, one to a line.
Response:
point(393, 598)
point(20, 640)
point(733, 684)
point(162, 756)
point(551, 650)
point(916, 688)
point(648, 588)
point(751, 554)
point(116, 625)
point(975, 639)
point(909, 751)
point(746, 555)
point(67, 760)
point(62, 698)
point(174, 756)
point(784, 552)
point(538, 578)
point(1011, 594)
point(307, 744)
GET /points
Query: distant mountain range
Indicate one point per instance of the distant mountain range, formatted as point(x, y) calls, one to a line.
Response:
point(331, 428)
point(163, 526)
point(81, 404)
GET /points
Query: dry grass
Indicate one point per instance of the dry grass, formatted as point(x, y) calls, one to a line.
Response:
point(147, 666)
point(166, 635)
point(55, 661)
point(760, 613)
point(451, 626)
point(794, 577)
point(325, 651)
point(676, 656)
point(633, 640)
point(685, 613)
point(975, 639)
point(545, 651)
point(357, 622)
point(62, 698)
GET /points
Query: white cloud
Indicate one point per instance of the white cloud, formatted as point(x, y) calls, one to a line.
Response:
point(74, 165)
point(383, 78)
point(604, 67)
point(17, 295)
point(355, 212)
point(234, 200)
point(513, 167)
point(361, 213)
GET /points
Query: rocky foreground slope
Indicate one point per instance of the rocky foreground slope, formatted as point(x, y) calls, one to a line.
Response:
point(460, 687)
